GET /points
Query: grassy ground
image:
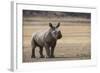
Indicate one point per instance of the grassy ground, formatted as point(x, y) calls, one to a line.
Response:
point(74, 45)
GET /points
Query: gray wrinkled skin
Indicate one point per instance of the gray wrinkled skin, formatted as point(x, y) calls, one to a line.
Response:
point(46, 39)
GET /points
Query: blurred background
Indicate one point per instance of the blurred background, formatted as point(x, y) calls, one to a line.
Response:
point(75, 27)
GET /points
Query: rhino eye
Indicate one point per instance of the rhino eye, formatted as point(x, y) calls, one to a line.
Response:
point(59, 32)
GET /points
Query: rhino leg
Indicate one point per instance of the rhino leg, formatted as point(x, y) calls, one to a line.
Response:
point(52, 50)
point(47, 48)
point(33, 52)
point(41, 52)
point(33, 49)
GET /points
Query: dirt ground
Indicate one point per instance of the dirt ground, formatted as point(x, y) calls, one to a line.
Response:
point(74, 45)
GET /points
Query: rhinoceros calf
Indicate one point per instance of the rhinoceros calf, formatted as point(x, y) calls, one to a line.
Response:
point(47, 39)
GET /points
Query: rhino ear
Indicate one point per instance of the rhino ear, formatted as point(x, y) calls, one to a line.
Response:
point(58, 25)
point(50, 24)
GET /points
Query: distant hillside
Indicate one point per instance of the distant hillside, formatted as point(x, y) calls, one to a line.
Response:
point(55, 14)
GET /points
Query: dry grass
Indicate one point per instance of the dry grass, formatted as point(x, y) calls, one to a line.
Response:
point(74, 45)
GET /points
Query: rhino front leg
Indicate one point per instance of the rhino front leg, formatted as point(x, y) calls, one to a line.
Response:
point(52, 50)
point(47, 48)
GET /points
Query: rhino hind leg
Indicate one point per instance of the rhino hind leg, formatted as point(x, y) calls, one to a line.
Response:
point(33, 52)
point(33, 49)
point(41, 52)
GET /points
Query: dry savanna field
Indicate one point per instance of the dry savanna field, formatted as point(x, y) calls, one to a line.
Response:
point(75, 43)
